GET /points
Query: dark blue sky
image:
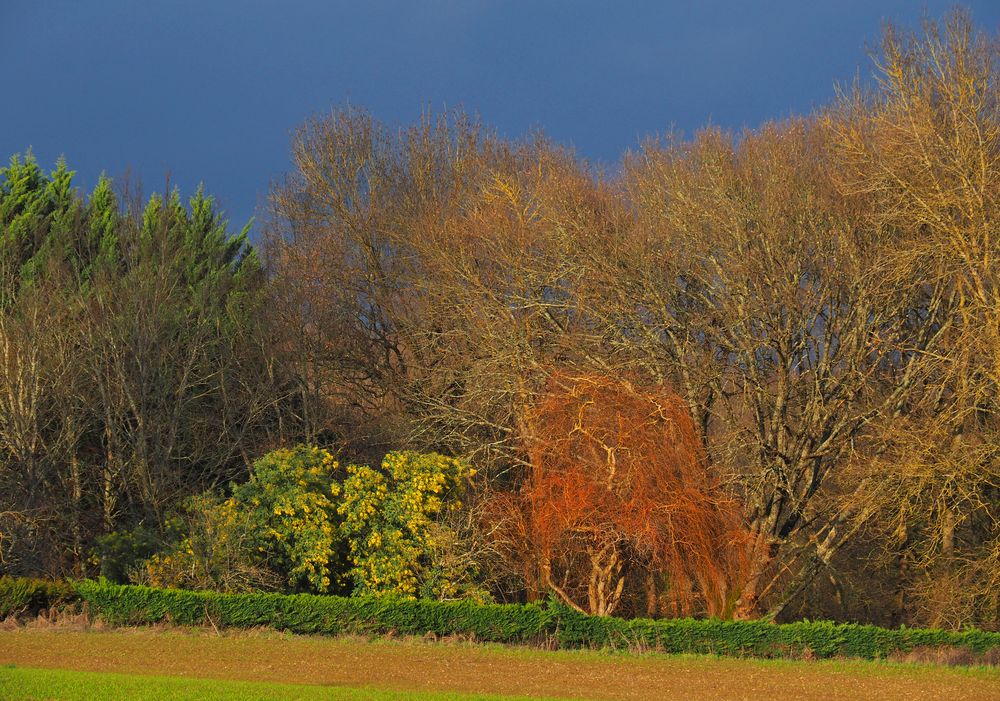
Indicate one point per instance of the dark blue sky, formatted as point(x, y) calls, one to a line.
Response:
point(209, 90)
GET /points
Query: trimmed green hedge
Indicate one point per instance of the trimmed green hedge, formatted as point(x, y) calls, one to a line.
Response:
point(309, 613)
point(21, 596)
point(761, 639)
point(502, 623)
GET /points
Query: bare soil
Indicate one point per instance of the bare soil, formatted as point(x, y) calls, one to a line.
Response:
point(465, 667)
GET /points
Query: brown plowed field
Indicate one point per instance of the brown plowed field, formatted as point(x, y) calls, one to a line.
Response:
point(417, 665)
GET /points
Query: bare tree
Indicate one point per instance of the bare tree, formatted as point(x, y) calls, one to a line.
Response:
point(749, 281)
point(923, 147)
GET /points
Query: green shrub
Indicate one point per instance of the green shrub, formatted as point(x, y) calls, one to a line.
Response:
point(120, 553)
point(20, 596)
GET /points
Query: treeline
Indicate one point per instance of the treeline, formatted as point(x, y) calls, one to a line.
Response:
point(135, 366)
point(748, 375)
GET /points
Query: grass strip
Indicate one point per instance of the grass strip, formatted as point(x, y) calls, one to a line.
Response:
point(32, 684)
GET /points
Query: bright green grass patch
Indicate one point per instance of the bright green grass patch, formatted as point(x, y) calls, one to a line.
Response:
point(30, 684)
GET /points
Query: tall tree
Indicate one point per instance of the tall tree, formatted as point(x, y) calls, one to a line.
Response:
point(924, 146)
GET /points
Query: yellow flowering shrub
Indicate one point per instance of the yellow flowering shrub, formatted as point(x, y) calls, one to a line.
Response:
point(294, 527)
point(283, 521)
point(393, 521)
point(216, 553)
point(291, 498)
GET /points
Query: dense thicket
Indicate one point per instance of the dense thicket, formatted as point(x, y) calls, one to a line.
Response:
point(815, 301)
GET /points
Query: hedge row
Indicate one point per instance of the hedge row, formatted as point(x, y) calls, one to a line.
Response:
point(502, 623)
point(22, 596)
point(761, 639)
point(308, 613)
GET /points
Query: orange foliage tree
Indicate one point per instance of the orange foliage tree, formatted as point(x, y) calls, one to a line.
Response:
point(620, 505)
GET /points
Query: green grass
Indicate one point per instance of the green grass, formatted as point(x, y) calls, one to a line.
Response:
point(30, 684)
